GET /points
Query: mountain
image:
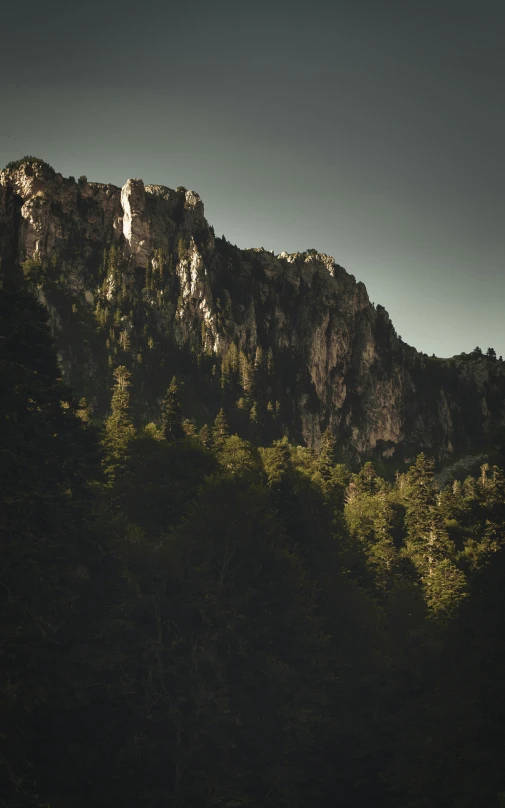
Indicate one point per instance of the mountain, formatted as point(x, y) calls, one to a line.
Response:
point(288, 344)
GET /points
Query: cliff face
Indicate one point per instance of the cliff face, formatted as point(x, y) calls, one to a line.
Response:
point(288, 343)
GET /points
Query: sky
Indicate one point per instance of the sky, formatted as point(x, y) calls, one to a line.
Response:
point(371, 130)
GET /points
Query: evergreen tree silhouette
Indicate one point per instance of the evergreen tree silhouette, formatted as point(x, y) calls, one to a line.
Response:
point(119, 429)
point(172, 415)
point(220, 430)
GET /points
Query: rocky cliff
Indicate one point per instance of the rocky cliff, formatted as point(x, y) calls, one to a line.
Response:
point(287, 343)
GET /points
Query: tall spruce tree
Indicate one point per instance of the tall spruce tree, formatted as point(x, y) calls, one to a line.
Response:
point(327, 455)
point(428, 544)
point(171, 414)
point(420, 499)
point(204, 436)
point(119, 428)
point(220, 430)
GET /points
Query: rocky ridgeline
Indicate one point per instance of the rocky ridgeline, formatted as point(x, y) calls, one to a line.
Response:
point(287, 343)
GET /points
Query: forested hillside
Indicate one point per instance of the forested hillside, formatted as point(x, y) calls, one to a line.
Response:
point(289, 344)
point(191, 620)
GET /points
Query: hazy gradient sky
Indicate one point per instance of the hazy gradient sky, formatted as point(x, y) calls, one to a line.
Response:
point(370, 130)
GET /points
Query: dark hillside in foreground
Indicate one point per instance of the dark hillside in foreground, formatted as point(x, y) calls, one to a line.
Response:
point(188, 620)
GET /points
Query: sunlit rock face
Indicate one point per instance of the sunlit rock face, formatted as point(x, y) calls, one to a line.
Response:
point(136, 226)
point(289, 343)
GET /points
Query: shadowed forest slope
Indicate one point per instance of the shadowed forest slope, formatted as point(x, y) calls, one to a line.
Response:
point(192, 619)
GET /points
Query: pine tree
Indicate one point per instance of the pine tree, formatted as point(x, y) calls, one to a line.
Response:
point(258, 358)
point(382, 554)
point(204, 436)
point(327, 455)
point(445, 587)
point(246, 374)
point(189, 428)
point(366, 480)
point(171, 416)
point(428, 544)
point(119, 429)
point(229, 366)
point(420, 497)
point(277, 463)
point(220, 430)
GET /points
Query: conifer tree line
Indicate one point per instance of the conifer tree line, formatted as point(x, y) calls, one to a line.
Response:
point(189, 619)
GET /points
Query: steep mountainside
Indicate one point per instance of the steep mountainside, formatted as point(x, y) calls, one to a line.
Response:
point(288, 343)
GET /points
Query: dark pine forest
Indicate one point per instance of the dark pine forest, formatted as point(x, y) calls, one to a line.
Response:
point(189, 619)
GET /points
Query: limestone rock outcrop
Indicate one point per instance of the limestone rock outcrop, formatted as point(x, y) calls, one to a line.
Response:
point(135, 276)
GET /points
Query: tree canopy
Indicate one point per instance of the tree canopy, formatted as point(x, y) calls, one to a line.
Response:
point(190, 619)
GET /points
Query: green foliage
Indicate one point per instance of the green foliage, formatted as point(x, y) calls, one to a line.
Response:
point(237, 456)
point(246, 374)
point(33, 270)
point(190, 620)
point(171, 417)
point(328, 454)
point(204, 436)
point(189, 428)
point(31, 163)
point(119, 429)
point(220, 430)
